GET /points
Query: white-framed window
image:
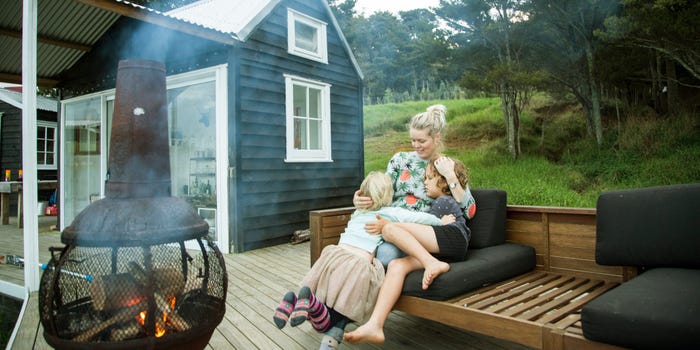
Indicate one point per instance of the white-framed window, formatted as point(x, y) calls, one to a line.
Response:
point(46, 145)
point(308, 109)
point(306, 37)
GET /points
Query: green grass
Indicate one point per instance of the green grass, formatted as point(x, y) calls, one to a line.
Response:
point(560, 164)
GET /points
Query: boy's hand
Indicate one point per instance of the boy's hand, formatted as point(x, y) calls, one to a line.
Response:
point(361, 202)
point(376, 227)
point(448, 219)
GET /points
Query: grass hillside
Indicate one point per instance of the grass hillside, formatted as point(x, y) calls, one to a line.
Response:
point(560, 164)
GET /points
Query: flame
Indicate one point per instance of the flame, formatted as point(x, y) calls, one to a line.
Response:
point(160, 326)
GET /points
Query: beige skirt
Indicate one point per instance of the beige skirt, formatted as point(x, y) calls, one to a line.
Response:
point(346, 282)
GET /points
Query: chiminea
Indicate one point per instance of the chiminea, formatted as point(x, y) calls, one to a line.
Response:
point(124, 279)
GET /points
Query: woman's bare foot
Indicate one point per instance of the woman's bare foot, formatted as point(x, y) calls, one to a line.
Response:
point(365, 334)
point(433, 270)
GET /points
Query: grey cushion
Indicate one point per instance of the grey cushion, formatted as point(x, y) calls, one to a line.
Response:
point(488, 227)
point(650, 227)
point(655, 310)
point(483, 267)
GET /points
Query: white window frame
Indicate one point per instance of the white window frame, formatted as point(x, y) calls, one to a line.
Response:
point(305, 155)
point(54, 163)
point(321, 53)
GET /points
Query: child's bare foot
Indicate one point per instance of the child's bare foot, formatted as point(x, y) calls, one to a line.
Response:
point(433, 270)
point(365, 334)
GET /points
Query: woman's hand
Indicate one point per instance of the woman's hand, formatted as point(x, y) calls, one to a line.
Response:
point(361, 202)
point(376, 227)
point(447, 219)
point(446, 167)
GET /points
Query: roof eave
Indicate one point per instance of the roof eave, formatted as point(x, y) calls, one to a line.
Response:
point(125, 8)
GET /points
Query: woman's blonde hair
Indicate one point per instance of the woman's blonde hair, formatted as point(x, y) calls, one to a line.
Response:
point(377, 185)
point(433, 120)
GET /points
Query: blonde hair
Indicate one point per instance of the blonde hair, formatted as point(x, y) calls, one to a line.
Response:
point(433, 120)
point(377, 185)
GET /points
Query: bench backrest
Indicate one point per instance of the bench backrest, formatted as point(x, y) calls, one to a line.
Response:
point(489, 224)
point(649, 227)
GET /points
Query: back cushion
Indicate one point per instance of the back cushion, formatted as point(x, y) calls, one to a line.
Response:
point(649, 227)
point(489, 224)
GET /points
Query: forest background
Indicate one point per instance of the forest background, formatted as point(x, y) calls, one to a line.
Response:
point(552, 100)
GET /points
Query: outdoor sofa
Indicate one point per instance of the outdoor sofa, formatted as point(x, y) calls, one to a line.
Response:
point(529, 273)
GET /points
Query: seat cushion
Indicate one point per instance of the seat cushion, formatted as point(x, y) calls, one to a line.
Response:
point(659, 309)
point(488, 227)
point(483, 267)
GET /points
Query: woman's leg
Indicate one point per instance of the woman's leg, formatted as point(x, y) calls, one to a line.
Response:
point(418, 241)
point(389, 293)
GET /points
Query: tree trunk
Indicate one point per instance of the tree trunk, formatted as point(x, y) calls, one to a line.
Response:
point(672, 87)
point(595, 97)
point(510, 116)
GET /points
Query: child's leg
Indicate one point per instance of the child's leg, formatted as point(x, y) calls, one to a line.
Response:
point(418, 241)
point(334, 336)
point(284, 309)
point(389, 293)
point(308, 307)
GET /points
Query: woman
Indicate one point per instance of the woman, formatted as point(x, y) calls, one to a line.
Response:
point(408, 170)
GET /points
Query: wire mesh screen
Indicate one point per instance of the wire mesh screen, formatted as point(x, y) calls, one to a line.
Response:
point(117, 294)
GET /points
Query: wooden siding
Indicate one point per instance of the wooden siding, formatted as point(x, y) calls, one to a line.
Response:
point(274, 197)
point(132, 39)
point(11, 148)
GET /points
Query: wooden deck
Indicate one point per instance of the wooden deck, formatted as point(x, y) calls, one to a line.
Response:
point(257, 281)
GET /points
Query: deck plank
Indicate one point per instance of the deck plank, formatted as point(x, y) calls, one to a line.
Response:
point(257, 281)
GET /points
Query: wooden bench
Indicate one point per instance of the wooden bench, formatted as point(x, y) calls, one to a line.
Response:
point(540, 309)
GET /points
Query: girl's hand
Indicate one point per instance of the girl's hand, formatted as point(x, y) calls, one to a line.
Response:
point(446, 167)
point(376, 227)
point(361, 202)
point(447, 219)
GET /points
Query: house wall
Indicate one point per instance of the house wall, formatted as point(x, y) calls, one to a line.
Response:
point(11, 148)
point(274, 197)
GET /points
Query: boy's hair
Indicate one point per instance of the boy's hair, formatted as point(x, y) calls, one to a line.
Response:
point(461, 171)
point(377, 185)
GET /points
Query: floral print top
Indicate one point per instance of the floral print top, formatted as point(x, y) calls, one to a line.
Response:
point(407, 172)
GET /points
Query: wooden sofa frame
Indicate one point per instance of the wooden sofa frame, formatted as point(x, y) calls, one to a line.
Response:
point(540, 309)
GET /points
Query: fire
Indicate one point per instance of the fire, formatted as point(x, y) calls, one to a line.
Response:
point(160, 324)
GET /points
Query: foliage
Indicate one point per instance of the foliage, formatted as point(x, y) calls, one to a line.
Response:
point(563, 167)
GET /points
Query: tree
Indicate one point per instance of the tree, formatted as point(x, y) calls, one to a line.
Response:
point(567, 27)
point(491, 33)
point(671, 29)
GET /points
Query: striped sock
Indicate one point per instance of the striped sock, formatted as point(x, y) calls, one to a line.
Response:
point(284, 309)
point(308, 307)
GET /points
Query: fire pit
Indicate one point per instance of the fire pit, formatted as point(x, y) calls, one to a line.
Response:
point(124, 279)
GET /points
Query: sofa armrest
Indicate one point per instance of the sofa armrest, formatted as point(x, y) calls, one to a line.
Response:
point(649, 227)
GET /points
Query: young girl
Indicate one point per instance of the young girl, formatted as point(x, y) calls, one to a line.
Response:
point(344, 282)
point(448, 242)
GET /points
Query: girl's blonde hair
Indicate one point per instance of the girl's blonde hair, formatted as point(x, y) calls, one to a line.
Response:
point(433, 120)
point(377, 185)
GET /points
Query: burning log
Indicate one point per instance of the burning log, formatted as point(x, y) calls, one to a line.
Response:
point(121, 316)
point(130, 330)
point(115, 291)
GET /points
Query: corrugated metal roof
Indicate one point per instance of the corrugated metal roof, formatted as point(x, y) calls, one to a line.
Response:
point(239, 17)
point(15, 98)
point(65, 22)
point(67, 29)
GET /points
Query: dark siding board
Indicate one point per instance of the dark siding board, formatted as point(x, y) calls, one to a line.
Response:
point(274, 197)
